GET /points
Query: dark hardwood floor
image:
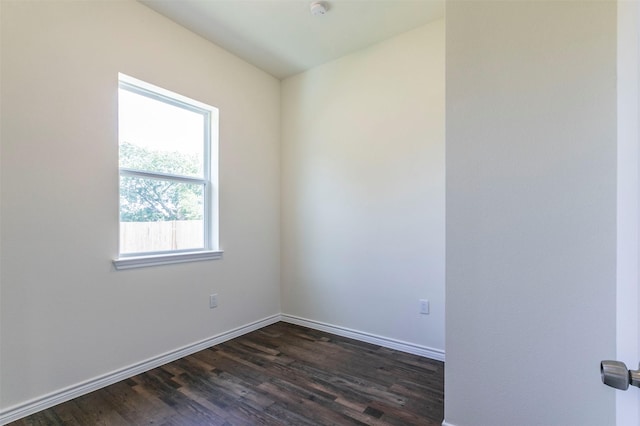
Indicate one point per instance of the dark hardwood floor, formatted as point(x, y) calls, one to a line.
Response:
point(279, 375)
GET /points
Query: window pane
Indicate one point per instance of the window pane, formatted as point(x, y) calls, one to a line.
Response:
point(159, 137)
point(160, 215)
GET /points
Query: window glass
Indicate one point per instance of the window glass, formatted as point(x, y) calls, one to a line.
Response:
point(160, 137)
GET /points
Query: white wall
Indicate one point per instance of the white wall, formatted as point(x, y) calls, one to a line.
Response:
point(363, 190)
point(66, 315)
point(531, 212)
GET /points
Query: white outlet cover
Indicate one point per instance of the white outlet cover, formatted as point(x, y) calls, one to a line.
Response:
point(424, 306)
point(213, 301)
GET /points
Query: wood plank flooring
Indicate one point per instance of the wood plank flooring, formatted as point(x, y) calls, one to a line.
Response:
point(282, 374)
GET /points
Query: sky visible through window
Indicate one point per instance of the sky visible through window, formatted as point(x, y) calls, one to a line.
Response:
point(159, 127)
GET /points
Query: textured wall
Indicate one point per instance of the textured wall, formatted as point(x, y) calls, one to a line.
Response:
point(363, 189)
point(66, 315)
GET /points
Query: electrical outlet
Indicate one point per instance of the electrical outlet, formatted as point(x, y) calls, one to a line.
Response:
point(213, 301)
point(424, 306)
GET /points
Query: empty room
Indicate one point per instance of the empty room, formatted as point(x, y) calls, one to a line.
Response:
point(384, 212)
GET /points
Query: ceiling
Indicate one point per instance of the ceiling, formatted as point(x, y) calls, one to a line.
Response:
point(283, 38)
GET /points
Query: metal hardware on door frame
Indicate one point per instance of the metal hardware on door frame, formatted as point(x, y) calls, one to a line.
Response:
point(617, 375)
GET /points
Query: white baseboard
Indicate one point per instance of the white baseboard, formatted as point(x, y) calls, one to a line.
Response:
point(24, 409)
point(444, 423)
point(399, 345)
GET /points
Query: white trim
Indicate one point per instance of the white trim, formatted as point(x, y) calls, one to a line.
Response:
point(38, 404)
point(444, 423)
point(129, 172)
point(627, 315)
point(165, 259)
point(387, 342)
point(170, 96)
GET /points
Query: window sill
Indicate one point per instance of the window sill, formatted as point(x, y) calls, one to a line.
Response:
point(165, 259)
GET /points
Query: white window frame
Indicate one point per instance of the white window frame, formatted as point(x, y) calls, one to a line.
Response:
point(209, 181)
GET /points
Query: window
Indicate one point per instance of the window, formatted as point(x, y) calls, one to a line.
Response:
point(168, 165)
